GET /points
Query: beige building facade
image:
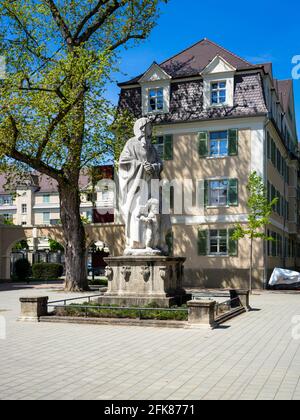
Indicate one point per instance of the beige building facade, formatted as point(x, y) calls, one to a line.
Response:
point(223, 119)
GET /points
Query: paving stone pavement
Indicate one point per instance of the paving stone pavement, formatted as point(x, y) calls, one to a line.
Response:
point(251, 357)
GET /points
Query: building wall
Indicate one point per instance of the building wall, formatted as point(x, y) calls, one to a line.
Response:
point(216, 271)
point(220, 271)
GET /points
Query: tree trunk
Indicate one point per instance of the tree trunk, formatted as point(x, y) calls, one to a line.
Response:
point(251, 266)
point(75, 241)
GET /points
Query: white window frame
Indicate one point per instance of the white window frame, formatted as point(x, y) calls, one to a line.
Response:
point(218, 90)
point(210, 189)
point(6, 200)
point(218, 238)
point(46, 199)
point(24, 208)
point(219, 140)
point(156, 98)
point(48, 221)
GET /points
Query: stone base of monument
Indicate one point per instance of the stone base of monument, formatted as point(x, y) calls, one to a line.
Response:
point(144, 280)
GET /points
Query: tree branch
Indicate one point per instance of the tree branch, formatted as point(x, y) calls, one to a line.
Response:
point(39, 89)
point(99, 22)
point(62, 26)
point(92, 13)
point(60, 116)
point(126, 39)
point(35, 164)
point(22, 26)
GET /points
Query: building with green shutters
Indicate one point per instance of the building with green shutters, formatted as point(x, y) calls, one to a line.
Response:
point(218, 118)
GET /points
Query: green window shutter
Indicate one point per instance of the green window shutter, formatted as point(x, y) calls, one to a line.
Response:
point(233, 142)
point(203, 144)
point(202, 242)
point(168, 147)
point(233, 245)
point(233, 193)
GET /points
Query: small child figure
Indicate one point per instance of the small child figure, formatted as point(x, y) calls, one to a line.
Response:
point(150, 216)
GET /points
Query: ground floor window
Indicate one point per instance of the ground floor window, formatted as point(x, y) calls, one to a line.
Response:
point(217, 242)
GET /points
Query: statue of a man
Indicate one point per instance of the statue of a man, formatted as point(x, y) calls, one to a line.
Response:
point(139, 165)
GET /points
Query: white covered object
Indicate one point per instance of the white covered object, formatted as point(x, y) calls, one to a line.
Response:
point(284, 277)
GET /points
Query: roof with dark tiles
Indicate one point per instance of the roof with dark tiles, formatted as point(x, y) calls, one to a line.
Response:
point(284, 89)
point(193, 60)
point(248, 94)
point(186, 101)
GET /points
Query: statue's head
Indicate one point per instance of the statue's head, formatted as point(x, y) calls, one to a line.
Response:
point(143, 130)
point(153, 205)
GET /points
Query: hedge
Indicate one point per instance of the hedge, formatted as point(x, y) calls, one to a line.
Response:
point(22, 269)
point(47, 271)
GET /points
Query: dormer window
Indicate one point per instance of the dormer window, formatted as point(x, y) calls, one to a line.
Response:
point(218, 93)
point(156, 91)
point(218, 83)
point(156, 100)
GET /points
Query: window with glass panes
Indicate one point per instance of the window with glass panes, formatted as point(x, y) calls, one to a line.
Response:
point(156, 100)
point(8, 217)
point(218, 193)
point(164, 146)
point(218, 144)
point(46, 199)
point(218, 93)
point(218, 244)
point(160, 146)
point(46, 218)
point(6, 200)
point(24, 208)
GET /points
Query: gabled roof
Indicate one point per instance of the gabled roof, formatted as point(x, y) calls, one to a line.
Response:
point(218, 65)
point(193, 60)
point(155, 72)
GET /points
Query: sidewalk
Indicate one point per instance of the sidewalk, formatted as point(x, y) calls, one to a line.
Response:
point(251, 357)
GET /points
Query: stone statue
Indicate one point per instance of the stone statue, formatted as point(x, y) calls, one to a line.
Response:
point(150, 217)
point(139, 165)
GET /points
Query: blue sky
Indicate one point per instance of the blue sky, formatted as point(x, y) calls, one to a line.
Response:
point(259, 31)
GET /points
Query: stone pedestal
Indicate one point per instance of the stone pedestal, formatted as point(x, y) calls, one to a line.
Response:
point(142, 280)
point(32, 308)
point(202, 313)
point(242, 298)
